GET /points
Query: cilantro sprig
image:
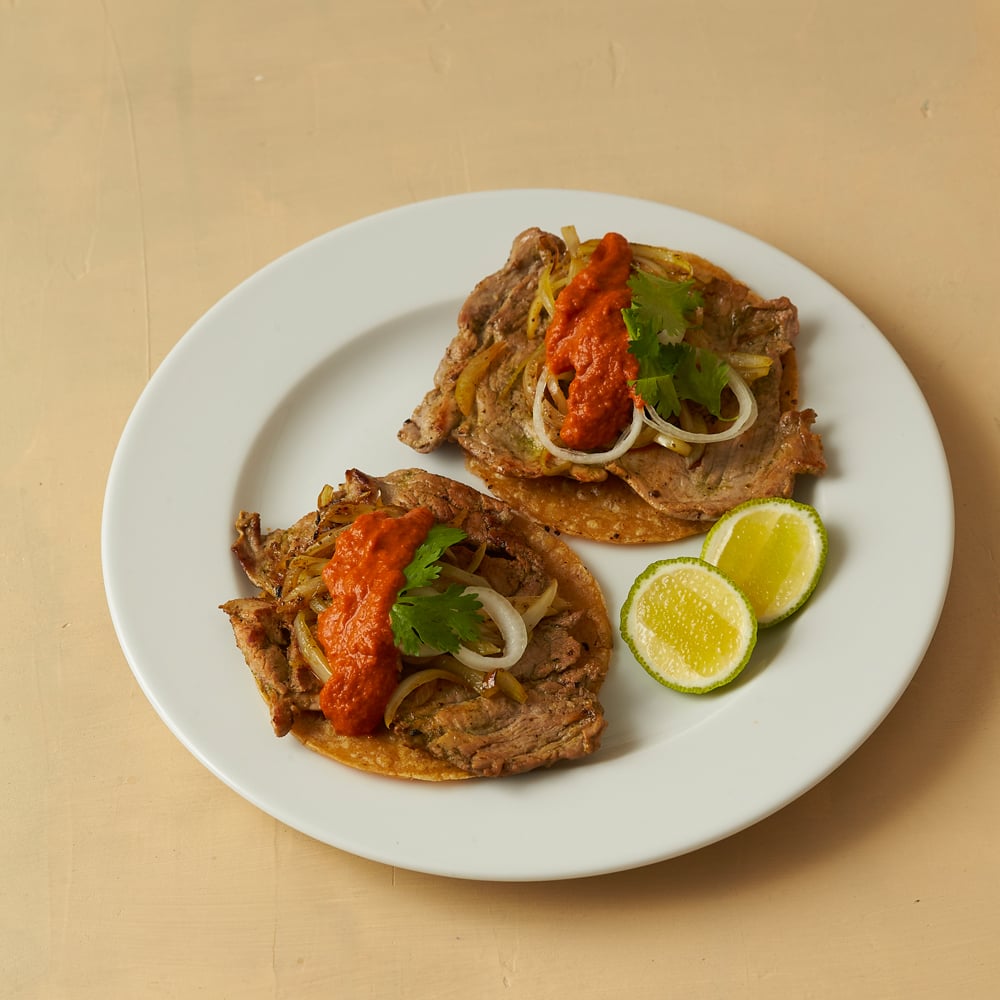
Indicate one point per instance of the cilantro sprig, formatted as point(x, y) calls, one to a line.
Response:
point(442, 619)
point(670, 370)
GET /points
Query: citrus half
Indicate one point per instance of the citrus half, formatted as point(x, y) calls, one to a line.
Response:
point(774, 550)
point(688, 625)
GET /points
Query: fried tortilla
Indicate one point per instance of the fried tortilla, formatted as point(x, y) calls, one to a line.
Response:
point(443, 730)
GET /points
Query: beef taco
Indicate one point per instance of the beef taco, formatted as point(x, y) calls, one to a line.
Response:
point(620, 392)
point(414, 627)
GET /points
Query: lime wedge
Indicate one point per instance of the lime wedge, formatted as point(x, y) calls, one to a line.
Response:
point(774, 550)
point(688, 625)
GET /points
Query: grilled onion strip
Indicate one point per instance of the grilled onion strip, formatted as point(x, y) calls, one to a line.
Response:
point(310, 648)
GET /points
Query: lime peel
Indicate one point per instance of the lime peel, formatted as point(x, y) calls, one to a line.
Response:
point(774, 550)
point(689, 626)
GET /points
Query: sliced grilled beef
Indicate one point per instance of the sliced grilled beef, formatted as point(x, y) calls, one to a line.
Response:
point(263, 633)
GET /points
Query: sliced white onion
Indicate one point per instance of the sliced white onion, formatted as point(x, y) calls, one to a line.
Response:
point(750, 366)
point(556, 392)
point(462, 575)
point(622, 445)
point(535, 611)
point(310, 648)
point(513, 633)
point(746, 416)
point(671, 443)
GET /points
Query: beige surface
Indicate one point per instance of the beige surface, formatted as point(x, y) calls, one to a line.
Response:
point(153, 154)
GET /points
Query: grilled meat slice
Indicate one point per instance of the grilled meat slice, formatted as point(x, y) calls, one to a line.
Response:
point(767, 457)
point(284, 679)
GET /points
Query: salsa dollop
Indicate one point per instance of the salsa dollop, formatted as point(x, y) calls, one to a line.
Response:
point(587, 336)
point(364, 577)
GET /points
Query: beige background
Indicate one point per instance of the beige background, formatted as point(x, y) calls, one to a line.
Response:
point(155, 153)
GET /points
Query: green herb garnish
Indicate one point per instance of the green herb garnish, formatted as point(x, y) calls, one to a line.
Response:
point(442, 619)
point(670, 370)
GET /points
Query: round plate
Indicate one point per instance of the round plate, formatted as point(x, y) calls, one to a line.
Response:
point(310, 367)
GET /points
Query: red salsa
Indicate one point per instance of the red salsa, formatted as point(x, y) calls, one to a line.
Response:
point(364, 576)
point(587, 336)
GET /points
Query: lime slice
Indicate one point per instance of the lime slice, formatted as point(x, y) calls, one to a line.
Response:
point(773, 550)
point(688, 625)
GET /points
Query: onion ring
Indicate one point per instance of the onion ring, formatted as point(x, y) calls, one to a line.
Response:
point(746, 416)
point(622, 445)
point(512, 630)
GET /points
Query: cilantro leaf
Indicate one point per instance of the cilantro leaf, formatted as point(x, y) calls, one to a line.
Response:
point(662, 305)
point(423, 568)
point(670, 370)
point(441, 619)
point(701, 377)
point(655, 384)
point(643, 337)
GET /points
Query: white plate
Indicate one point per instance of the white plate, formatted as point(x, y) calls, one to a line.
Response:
point(309, 368)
